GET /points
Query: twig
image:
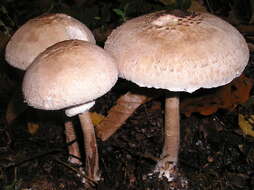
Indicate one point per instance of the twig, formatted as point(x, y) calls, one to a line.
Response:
point(81, 173)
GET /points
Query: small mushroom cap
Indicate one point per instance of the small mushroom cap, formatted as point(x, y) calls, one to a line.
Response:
point(67, 74)
point(178, 51)
point(39, 33)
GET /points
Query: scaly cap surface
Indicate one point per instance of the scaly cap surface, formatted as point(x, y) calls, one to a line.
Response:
point(178, 51)
point(67, 74)
point(39, 33)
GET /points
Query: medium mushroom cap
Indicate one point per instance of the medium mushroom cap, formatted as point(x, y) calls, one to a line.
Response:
point(178, 51)
point(39, 33)
point(67, 74)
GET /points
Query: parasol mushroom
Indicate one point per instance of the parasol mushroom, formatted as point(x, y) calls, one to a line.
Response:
point(177, 51)
point(71, 75)
point(34, 37)
point(39, 33)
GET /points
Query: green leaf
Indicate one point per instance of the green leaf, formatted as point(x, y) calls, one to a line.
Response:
point(119, 12)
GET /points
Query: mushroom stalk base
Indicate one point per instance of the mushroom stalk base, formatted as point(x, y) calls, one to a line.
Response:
point(92, 157)
point(167, 164)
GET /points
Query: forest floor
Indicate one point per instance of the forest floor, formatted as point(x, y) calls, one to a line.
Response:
point(215, 154)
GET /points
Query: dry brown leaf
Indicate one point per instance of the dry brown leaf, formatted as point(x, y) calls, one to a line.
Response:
point(246, 29)
point(226, 97)
point(119, 113)
point(251, 46)
point(236, 92)
point(96, 117)
point(32, 127)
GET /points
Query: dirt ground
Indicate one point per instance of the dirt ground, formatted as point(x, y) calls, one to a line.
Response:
point(215, 154)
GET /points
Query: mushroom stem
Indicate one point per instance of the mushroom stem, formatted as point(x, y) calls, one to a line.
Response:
point(73, 148)
point(167, 164)
point(172, 129)
point(92, 157)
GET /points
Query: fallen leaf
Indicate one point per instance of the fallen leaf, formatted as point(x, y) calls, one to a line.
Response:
point(119, 113)
point(245, 29)
point(246, 124)
point(96, 117)
point(199, 105)
point(251, 47)
point(32, 127)
point(236, 92)
point(226, 97)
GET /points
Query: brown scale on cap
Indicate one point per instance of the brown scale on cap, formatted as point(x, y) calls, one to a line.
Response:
point(171, 20)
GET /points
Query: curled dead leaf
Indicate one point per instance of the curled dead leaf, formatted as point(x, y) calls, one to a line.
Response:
point(96, 117)
point(225, 97)
point(32, 127)
point(251, 46)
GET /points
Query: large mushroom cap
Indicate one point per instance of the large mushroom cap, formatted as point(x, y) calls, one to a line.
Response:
point(69, 73)
point(39, 33)
point(178, 51)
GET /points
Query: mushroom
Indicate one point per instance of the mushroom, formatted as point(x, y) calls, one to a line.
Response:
point(34, 37)
point(39, 33)
point(177, 51)
point(71, 75)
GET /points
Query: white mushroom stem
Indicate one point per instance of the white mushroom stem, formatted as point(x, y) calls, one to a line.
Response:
point(73, 148)
point(166, 166)
point(172, 129)
point(92, 157)
point(91, 151)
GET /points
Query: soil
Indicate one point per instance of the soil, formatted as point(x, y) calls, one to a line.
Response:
point(214, 152)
